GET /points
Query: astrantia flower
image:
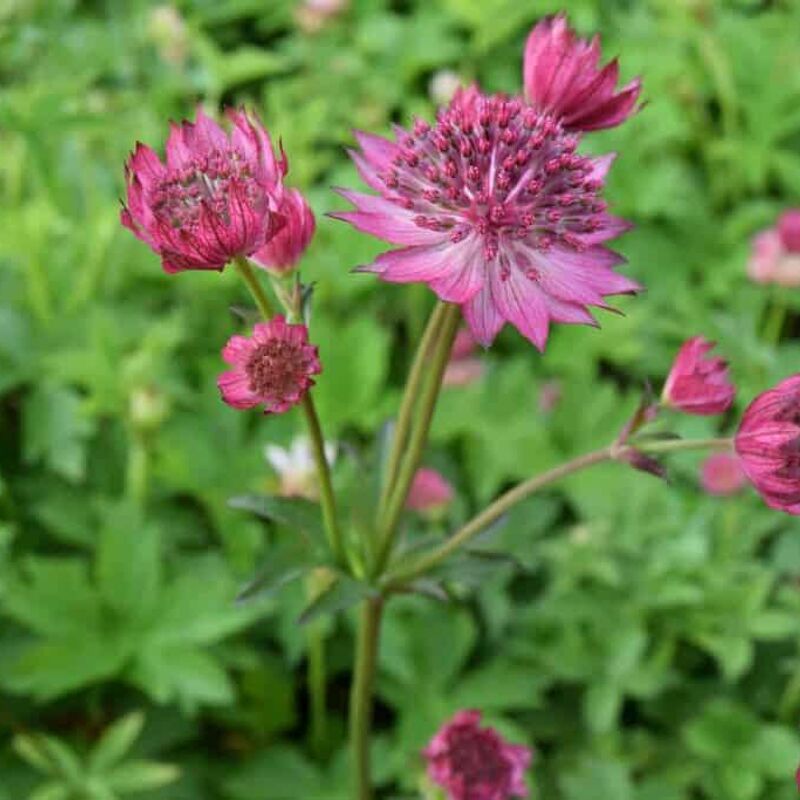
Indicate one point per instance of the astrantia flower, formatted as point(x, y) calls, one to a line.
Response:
point(273, 367)
point(216, 198)
point(284, 250)
point(296, 467)
point(429, 491)
point(768, 444)
point(562, 76)
point(722, 474)
point(697, 383)
point(496, 211)
point(775, 256)
point(474, 763)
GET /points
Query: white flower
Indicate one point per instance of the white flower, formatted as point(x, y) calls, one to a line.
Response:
point(296, 468)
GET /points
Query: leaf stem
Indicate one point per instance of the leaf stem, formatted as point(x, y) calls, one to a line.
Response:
point(361, 696)
point(525, 489)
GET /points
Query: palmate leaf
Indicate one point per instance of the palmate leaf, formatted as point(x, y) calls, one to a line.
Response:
point(115, 742)
point(342, 594)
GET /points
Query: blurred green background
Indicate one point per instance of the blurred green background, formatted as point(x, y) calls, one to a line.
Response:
point(648, 643)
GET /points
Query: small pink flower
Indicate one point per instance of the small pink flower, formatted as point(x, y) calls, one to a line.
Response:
point(273, 367)
point(429, 491)
point(282, 252)
point(775, 257)
point(474, 763)
point(549, 396)
point(562, 76)
point(721, 474)
point(495, 210)
point(768, 444)
point(698, 384)
point(463, 368)
point(216, 198)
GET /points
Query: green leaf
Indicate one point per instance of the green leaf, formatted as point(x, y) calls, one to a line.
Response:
point(141, 776)
point(29, 749)
point(295, 513)
point(342, 594)
point(116, 741)
point(51, 791)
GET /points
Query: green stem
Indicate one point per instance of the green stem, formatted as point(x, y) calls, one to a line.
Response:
point(361, 696)
point(408, 403)
point(136, 470)
point(525, 489)
point(432, 384)
point(316, 675)
point(773, 326)
point(327, 498)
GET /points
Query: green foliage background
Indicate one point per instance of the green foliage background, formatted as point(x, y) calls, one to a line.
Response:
point(648, 643)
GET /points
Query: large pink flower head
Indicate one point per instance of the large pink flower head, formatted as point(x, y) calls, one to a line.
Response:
point(698, 383)
point(562, 76)
point(775, 256)
point(273, 367)
point(216, 198)
point(768, 444)
point(282, 252)
point(429, 491)
point(496, 211)
point(474, 763)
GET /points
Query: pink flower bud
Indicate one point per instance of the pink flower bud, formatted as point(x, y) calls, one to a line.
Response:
point(768, 445)
point(282, 252)
point(698, 384)
point(474, 763)
point(273, 367)
point(429, 491)
point(721, 474)
point(775, 255)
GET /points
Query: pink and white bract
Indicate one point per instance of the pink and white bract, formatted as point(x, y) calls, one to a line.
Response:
point(775, 256)
point(474, 763)
point(216, 198)
point(768, 444)
point(282, 252)
point(697, 383)
point(721, 474)
point(429, 490)
point(562, 76)
point(495, 210)
point(273, 367)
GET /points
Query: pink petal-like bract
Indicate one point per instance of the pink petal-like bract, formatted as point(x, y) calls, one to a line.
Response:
point(282, 252)
point(216, 198)
point(494, 209)
point(562, 76)
point(273, 367)
point(775, 252)
point(768, 444)
point(789, 229)
point(698, 383)
point(429, 490)
point(721, 474)
point(474, 763)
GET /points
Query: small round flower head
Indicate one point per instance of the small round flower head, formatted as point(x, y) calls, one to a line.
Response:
point(296, 467)
point(429, 491)
point(697, 383)
point(273, 367)
point(768, 445)
point(721, 474)
point(562, 76)
point(282, 252)
point(216, 198)
point(775, 256)
point(474, 763)
point(496, 211)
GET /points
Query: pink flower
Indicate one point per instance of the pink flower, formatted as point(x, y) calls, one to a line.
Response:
point(721, 474)
point(463, 368)
point(495, 210)
point(474, 763)
point(284, 250)
point(549, 396)
point(216, 198)
point(562, 76)
point(775, 257)
point(768, 444)
point(696, 383)
point(429, 491)
point(272, 367)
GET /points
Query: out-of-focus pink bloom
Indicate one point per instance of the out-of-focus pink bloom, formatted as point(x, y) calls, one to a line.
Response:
point(474, 763)
point(697, 383)
point(495, 210)
point(313, 15)
point(429, 491)
point(285, 248)
point(273, 367)
point(722, 474)
point(463, 368)
point(775, 257)
point(297, 468)
point(549, 396)
point(216, 198)
point(562, 76)
point(768, 444)
point(443, 85)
